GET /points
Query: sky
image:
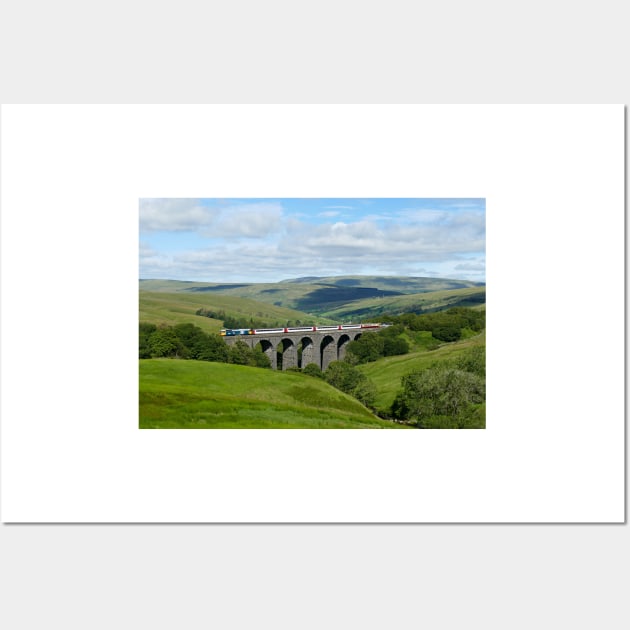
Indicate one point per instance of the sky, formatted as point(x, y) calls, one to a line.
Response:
point(269, 240)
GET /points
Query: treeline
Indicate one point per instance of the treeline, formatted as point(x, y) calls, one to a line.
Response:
point(232, 321)
point(187, 341)
point(384, 343)
point(450, 325)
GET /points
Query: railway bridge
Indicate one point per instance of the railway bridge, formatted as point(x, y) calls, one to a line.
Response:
point(299, 349)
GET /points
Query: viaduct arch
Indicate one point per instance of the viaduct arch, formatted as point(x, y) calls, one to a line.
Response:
point(320, 348)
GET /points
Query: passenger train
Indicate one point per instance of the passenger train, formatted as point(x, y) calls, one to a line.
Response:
point(230, 332)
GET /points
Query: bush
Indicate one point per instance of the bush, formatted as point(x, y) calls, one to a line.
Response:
point(312, 369)
point(348, 379)
point(373, 346)
point(473, 360)
point(395, 346)
point(146, 330)
point(164, 343)
point(430, 396)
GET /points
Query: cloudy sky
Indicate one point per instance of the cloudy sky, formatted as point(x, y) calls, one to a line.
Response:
point(268, 240)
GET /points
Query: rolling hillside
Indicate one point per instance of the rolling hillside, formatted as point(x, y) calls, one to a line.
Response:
point(164, 307)
point(335, 297)
point(372, 308)
point(200, 395)
point(402, 284)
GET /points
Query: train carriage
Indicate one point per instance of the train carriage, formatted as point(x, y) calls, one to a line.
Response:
point(230, 332)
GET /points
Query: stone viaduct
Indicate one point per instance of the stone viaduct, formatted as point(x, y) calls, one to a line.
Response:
point(319, 348)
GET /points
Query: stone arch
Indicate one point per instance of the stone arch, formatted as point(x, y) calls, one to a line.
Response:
point(342, 346)
point(328, 351)
point(356, 336)
point(269, 349)
point(287, 355)
point(310, 353)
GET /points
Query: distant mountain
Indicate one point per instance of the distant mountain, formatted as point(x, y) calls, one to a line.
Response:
point(402, 284)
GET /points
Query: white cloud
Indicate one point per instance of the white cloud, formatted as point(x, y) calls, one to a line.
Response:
point(146, 250)
point(471, 266)
point(238, 220)
point(256, 242)
point(255, 220)
point(174, 215)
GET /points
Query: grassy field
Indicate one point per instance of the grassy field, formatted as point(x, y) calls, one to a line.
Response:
point(386, 373)
point(200, 395)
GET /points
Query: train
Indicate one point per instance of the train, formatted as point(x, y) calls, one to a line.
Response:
point(230, 332)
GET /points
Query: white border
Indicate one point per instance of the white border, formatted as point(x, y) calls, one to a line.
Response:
point(553, 180)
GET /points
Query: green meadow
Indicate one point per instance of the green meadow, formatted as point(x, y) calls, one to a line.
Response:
point(178, 394)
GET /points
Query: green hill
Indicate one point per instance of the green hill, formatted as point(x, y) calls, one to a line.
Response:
point(402, 284)
point(337, 298)
point(386, 373)
point(200, 395)
point(373, 308)
point(164, 307)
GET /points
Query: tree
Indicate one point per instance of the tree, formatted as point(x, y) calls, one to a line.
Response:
point(239, 353)
point(350, 380)
point(473, 360)
point(365, 391)
point(439, 397)
point(164, 343)
point(260, 359)
point(343, 376)
point(212, 348)
point(146, 330)
point(369, 347)
point(394, 346)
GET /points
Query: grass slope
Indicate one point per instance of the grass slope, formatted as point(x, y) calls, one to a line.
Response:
point(386, 373)
point(161, 307)
point(402, 284)
point(200, 395)
point(433, 300)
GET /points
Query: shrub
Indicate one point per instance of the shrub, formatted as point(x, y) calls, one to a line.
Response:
point(430, 396)
point(348, 379)
point(312, 369)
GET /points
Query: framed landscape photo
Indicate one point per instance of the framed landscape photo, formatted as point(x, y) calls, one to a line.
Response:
point(312, 313)
point(369, 233)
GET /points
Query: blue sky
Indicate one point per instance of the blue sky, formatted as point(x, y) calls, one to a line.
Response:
point(268, 240)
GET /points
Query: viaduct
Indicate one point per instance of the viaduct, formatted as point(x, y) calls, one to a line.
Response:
point(319, 348)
